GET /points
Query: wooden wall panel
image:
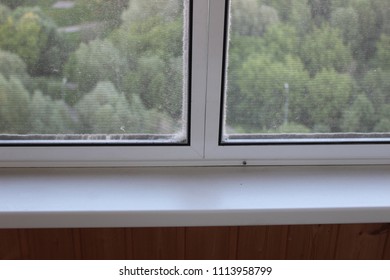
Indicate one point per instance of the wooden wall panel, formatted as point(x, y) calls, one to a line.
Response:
point(386, 249)
point(268, 242)
point(157, 243)
point(211, 243)
point(9, 245)
point(305, 242)
point(45, 244)
point(361, 242)
point(103, 244)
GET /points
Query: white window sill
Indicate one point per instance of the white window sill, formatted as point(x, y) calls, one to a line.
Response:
point(193, 196)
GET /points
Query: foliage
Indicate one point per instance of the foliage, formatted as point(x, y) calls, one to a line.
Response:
point(108, 11)
point(106, 111)
point(14, 3)
point(32, 36)
point(369, 27)
point(280, 40)
point(360, 117)
point(93, 62)
point(376, 86)
point(49, 116)
point(23, 36)
point(12, 65)
point(347, 21)
point(159, 84)
point(162, 11)
point(324, 49)
point(263, 91)
point(14, 106)
point(51, 86)
point(251, 17)
point(320, 11)
point(328, 98)
point(383, 53)
point(4, 13)
point(291, 128)
point(295, 66)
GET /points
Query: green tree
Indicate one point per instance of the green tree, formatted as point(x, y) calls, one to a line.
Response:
point(48, 116)
point(151, 41)
point(159, 84)
point(12, 65)
point(347, 21)
point(360, 117)
point(383, 124)
point(4, 13)
point(251, 17)
point(96, 61)
point(291, 128)
point(150, 30)
point(263, 85)
point(383, 52)
point(24, 37)
point(106, 111)
point(14, 106)
point(108, 11)
point(31, 35)
point(161, 11)
point(283, 7)
point(376, 86)
point(369, 26)
point(320, 11)
point(280, 40)
point(300, 17)
point(277, 43)
point(14, 3)
point(382, 9)
point(240, 48)
point(328, 98)
point(324, 49)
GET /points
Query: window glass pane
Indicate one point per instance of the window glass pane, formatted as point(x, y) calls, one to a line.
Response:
point(311, 70)
point(94, 71)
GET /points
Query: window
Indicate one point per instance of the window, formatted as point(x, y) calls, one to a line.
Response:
point(90, 72)
point(306, 72)
point(287, 123)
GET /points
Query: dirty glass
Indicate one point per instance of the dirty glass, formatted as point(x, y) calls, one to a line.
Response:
point(94, 71)
point(307, 70)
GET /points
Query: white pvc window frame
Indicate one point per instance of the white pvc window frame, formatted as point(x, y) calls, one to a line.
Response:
point(270, 153)
point(122, 155)
point(208, 29)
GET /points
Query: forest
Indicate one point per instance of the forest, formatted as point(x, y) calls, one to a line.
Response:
point(91, 67)
point(308, 66)
point(118, 66)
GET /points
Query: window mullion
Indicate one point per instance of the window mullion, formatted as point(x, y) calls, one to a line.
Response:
point(215, 70)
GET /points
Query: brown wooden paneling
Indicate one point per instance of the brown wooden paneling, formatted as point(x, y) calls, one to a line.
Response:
point(365, 241)
point(386, 249)
point(265, 242)
point(77, 244)
point(129, 244)
point(252, 243)
point(103, 244)
point(210, 243)
point(311, 242)
point(9, 245)
point(158, 243)
point(47, 244)
point(233, 246)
